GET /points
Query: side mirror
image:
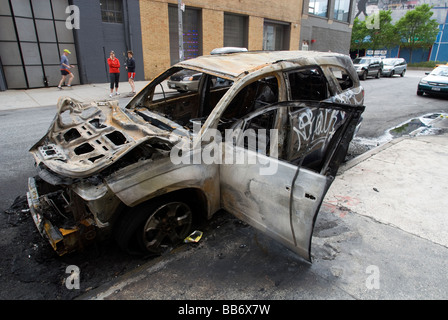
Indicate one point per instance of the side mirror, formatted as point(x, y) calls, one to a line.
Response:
point(426, 73)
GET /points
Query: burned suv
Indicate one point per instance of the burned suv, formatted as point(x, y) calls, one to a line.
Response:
point(262, 137)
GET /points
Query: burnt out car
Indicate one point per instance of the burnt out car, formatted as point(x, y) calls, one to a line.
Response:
point(264, 144)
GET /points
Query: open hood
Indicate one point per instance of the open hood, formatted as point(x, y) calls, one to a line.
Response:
point(85, 138)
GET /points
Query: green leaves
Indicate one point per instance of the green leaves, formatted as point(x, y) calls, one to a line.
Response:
point(415, 29)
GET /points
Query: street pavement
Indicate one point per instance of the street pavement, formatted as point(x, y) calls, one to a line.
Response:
point(43, 97)
point(380, 233)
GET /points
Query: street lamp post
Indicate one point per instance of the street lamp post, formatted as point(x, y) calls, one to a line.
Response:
point(181, 30)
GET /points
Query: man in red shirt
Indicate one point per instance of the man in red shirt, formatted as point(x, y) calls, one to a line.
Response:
point(114, 72)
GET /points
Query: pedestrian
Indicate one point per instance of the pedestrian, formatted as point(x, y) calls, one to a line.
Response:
point(65, 66)
point(114, 72)
point(131, 70)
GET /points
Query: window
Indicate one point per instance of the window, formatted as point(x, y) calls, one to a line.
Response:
point(276, 35)
point(341, 10)
point(343, 78)
point(192, 34)
point(252, 97)
point(318, 7)
point(235, 30)
point(111, 11)
point(308, 84)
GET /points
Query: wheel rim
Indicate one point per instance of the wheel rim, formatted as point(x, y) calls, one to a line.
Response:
point(168, 225)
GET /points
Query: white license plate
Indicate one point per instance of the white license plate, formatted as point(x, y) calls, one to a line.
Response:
point(435, 89)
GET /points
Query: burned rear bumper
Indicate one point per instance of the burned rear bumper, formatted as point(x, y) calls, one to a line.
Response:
point(63, 239)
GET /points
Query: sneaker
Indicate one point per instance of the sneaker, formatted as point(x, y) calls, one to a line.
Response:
point(117, 93)
point(60, 88)
point(111, 95)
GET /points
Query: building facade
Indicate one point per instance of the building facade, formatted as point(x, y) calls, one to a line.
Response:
point(253, 24)
point(327, 25)
point(34, 33)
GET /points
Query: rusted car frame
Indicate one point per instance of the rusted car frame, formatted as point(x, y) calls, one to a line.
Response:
point(132, 173)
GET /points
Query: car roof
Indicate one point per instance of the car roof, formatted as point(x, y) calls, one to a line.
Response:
point(235, 65)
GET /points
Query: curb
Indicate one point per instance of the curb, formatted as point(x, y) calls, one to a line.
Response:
point(363, 157)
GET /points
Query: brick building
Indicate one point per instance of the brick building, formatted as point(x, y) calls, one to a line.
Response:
point(254, 24)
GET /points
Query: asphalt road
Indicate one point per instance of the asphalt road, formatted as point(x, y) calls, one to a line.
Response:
point(392, 101)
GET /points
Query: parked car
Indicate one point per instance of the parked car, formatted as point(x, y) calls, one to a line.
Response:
point(264, 145)
point(435, 83)
point(368, 66)
point(392, 66)
point(185, 80)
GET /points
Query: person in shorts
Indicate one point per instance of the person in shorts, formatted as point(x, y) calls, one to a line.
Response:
point(65, 66)
point(130, 66)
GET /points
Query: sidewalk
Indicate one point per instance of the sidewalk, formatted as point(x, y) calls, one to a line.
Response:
point(386, 211)
point(42, 97)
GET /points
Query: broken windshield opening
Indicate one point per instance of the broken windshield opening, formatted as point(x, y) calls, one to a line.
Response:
point(182, 96)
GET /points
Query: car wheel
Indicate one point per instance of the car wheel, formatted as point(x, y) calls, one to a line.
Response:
point(391, 74)
point(419, 93)
point(154, 227)
point(402, 74)
point(364, 75)
point(378, 74)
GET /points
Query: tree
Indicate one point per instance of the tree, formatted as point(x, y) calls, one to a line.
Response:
point(384, 35)
point(359, 33)
point(375, 33)
point(417, 29)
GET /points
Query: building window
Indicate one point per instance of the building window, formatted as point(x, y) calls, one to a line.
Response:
point(276, 35)
point(112, 11)
point(235, 30)
point(318, 7)
point(341, 10)
point(192, 33)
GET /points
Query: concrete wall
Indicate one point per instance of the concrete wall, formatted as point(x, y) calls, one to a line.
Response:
point(325, 33)
point(95, 39)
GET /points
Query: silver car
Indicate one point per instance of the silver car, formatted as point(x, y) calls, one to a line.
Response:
point(393, 66)
point(262, 137)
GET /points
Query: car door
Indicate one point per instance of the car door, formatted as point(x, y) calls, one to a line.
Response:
point(283, 174)
point(399, 67)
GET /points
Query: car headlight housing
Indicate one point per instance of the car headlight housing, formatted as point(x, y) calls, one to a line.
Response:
point(423, 81)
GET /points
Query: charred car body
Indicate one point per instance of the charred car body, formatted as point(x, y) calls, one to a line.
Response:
point(132, 173)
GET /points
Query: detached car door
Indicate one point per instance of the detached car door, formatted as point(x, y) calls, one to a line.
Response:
point(279, 163)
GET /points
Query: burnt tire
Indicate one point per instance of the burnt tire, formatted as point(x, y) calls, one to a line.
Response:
point(154, 227)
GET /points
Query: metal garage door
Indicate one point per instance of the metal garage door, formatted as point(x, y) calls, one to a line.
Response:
point(192, 33)
point(235, 30)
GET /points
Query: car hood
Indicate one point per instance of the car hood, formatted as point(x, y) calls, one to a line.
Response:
point(85, 138)
point(360, 65)
point(438, 79)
